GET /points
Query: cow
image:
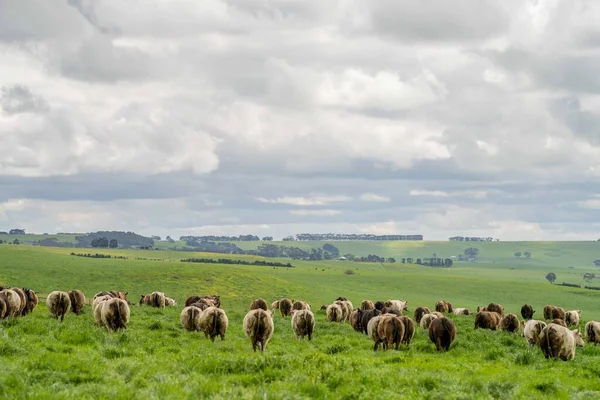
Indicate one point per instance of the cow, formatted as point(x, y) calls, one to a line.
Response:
point(419, 312)
point(190, 318)
point(443, 306)
point(372, 330)
point(170, 302)
point(300, 305)
point(572, 317)
point(510, 323)
point(259, 303)
point(213, 322)
point(390, 331)
point(393, 311)
point(495, 307)
point(426, 321)
point(334, 313)
point(442, 332)
point(285, 307)
point(303, 323)
point(367, 305)
point(409, 329)
point(114, 314)
point(487, 320)
point(13, 302)
point(259, 327)
point(275, 305)
point(437, 314)
point(356, 320)
point(209, 300)
point(77, 301)
point(592, 332)
point(154, 299)
point(345, 311)
point(367, 316)
point(527, 312)
point(559, 321)
point(3, 306)
point(558, 313)
point(22, 298)
point(379, 305)
point(58, 304)
point(461, 311)
point(532, 330)
point(32, 300)
point(400, 305)
point(557, 341)
point(97, 309)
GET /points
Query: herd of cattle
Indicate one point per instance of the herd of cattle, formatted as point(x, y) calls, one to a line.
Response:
point(383, 322)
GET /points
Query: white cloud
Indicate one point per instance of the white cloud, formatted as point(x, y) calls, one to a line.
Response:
point(305, 201)
point(372, 197)
point(305, 212)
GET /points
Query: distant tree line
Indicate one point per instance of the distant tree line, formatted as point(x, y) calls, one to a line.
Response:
point(237, 262)
point(430, 262)
point(320, 237)
point(211, 238)
point(525, 253)
point(97, 255)
point(472, 239)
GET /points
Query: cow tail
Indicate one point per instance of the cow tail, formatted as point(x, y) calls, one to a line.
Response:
point(590, 333)
point(215, 323)
point(547, 344)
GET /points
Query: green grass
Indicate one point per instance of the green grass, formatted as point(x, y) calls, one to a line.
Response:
point(155, 358)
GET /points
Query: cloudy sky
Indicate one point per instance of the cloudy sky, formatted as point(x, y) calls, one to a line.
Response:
point(276, 117)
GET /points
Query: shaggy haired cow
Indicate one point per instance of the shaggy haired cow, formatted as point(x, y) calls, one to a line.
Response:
point(367, 316)
point(3, 306)
point(209, 300)
point(559, 321)
point(32, 300)
point(356, 320)
point(487, 320)
point(58, 304)
point(532, 330)
point(190, 318)
point(154, 299)
point(259, 327)
point(390, 331)
point(367, 305)
point(285, 307)
point(553, 312)
point(559, 342)
point(437, 314)
point(426, 321)
point(372, 330)
point(399, 305)
point(345, 310)
point(213, 322)
point(443, 306)
point(442, 332)
point(170, 302)
point(77, 299)
point(300, 305)
point(461, 311)
point(303, 323)
point(409, 329)
point(259, 303)
point(527, 312)
point(419, 312)
point(495, 307)
point(13, 302)
point(379, 305)
point(334, 313)
point(572, 317)
point(114, 314)
point(22, 298)
point(510, 323)
point(592, 332)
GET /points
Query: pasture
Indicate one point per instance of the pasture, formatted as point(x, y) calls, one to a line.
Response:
point(155, 358)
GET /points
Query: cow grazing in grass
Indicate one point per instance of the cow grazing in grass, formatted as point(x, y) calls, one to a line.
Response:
point(300, 305)
point(426, 320)
point(510, 323)
point(259, 327)
point(97, 307)
point(303, 323)
point(400, 305)
point(409, 329)
point(259, 303)
point(58, 304)
point(390, 331)
point(345, 310)
point(209, 300)
point(367, 305)
point(334, 313)
point(285, 307)
point(419, 312)
point(154, 299)
point(532, 330)
point(367, 316)
point(495, 307)
point(592, 332)
point(527, 312)
point(442, 333)
point(553, 312)
point(32, 300)
point(3, 306)
point(443, 306)
point(77, 301)
point(487, 320)
point(190, 318)
point(461, 311)
point(12, 301)
point(114, 314)
point(557, 341)
point(356, 320)
point(572, 317)
point(170, 302)
point(559, 321)
point(22, 298)
point(213, 322)
point(372, 330)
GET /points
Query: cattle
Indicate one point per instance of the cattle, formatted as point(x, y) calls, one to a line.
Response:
point(275, 305)
point(495, 307)
point(201, 305)
point(13, 302)
point(558, 313)
point(285, 307)
point(409, 329)
point(559, 321)
point(154, 299)
point(373, 332)
point(393, 311)
point(98, 300)
point(190, 318)
point(367, 316)
point(367, 305)
point(379, 305)
point(22, 298)
point(349, 305)
point(77, 299)
point(209, 300)
point(213, 322)
point(510, 323)
point(390, 331)
point(345, 310)
point(487, 320)
point(259, 327)
point(113, 293)
point(527, 312)
point(592, 332)
point(442, 333)
point(399, 305)
point(482, 308)
point(32, 300)
point(341, 299)
point(572, 317)
point(58, 304)
point(419, 312)
point(461, 311)
point(3, 306)
point(443, 306)
point(303, 324)
point(356, 320)
point(437, 314)
point(426, 321)
point(532, 330)
point(170, 302)
point(334, 313)
point(557, 341)
point(259, 303)
point(300, 305)
point(114, 314)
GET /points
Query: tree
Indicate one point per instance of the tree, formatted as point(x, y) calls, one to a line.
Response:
point(16, 232)
point(267, 239)
point(588, 277)
point(391, 260)
point(113, 244)
point(419, 261)
point(154, 237)
point(597, 263)
point(551, 277)
point(448, 262)
point(288, 239)
point(518, 254)
point(527, 254)
point(409, 260)
point(100, 242)
point(16, 241)
point(471, 252)
point(331, 249)
point(169, 239)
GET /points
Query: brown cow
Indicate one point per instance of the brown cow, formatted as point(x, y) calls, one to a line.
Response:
point(32, 300)
point(3, 306)
point(190, 318)
point(372, 330)
point(77, 301)
point(12, 301)
point(300, 305)
point(213, 322)
point(572, 317)
point(379, 305)
point(201, 305)
point(495, 307)
point(356, 320)
point(367, 316)
point(592, 332)
point(259, 327)
point(532, 330)
point(303, 323)
point(209, 300)
point(443, 306)
point(510, 323)
point(391, 331)
point(259, 303)
point(442, 332)
point(559, 321)
point(409, 329)
point(114, 314)
point(527, 312)
point(427, 320)
point(367, 305)
point(285, 307)
point(419, 312)
point(335, 313)
point(487, 320)
point(559, 342)
point(58, 304)
point(558, 313)
point(23, 298)
point(345, 310)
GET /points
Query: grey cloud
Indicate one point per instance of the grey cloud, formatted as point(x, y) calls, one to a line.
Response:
point(19, 99)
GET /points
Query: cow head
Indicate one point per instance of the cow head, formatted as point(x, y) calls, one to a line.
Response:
point(578, 338)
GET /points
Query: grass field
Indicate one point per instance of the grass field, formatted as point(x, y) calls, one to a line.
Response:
point(155, 358)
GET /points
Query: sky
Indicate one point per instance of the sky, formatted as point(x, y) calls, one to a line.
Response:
point(277, 117)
